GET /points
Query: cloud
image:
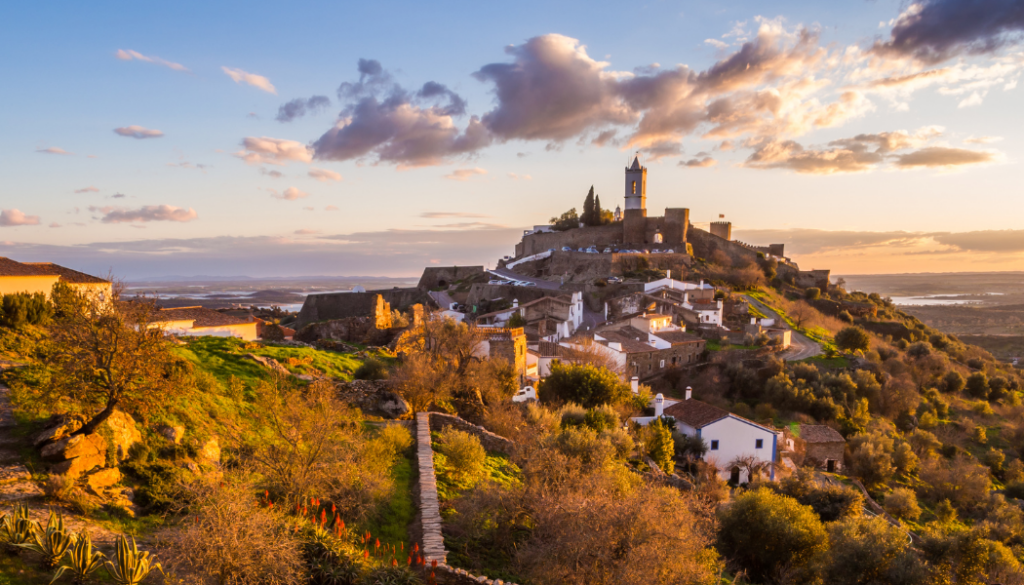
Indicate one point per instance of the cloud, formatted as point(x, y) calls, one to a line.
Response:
point(290, 194)
point(399, 126)
point(716, 43)
point(272, 173)
point(465, 174)
point(138, 132)
point(983, 139)
point(299, 107)
point(257, 81)
point(306, 232)
point(331, 208)
point(517, 176)
point(812, 241)
point(55, 225)
point(274, 151)
point(13, 217)
point(938, 156)
point(324, 175)
point(451, 215)
point(974, 99)
point(788, 154)
point(145, 213)
point(87, 190)
point(118, 196)
point(985, 241)
point(932, 31)
point(130, 55)
point(703, 163)
point(55, 150)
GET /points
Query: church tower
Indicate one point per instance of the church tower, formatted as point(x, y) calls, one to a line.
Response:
point(635, 217)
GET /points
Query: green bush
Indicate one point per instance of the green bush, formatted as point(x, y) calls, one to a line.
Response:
point(584, 384)
point(20, 309)
point(853, 338)
point(813, 293)
point(371, 369)
point(464, 456)
point(902, 504)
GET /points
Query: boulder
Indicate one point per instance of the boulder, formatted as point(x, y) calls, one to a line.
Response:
point(124, 432)
point(210, 451)
point(172, 434)
point(76, 446)
point(102, 479)
point(392, 404)
point(60, 427)
point(74, 468)
point(269, 362)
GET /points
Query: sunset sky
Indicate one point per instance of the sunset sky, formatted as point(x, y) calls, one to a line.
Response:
point(288, 139)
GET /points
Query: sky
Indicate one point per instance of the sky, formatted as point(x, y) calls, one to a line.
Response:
point(268, 139)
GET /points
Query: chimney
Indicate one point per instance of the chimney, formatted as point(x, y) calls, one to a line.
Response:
point(702, 284)
point(659, 405)
point(634, 385)
point(515, 303)
point(668, 275)
point(689, 393)
point(753, 320)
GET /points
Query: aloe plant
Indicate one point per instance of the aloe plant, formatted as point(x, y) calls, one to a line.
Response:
point(130, 565)
point(81, 560)
point(16, 529)
point(52, 542)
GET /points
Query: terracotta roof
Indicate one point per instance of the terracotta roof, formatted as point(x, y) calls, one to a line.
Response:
point(675, 337)
point(695, 413)
point(629, 343)
point(820, 434)
point(202, 317)
point(10, 267)
point(67, 274)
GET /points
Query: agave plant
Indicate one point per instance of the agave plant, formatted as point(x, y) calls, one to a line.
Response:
point(52, 542)
point(81, 560)
point(131, 565)
point(16, 529)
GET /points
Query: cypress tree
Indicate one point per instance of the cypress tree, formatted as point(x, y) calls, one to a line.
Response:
point(588, 208)
point(597, 210)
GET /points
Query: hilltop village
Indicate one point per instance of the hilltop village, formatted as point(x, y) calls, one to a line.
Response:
point(626, 399)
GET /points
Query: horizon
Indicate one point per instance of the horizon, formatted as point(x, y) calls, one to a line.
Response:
point(870, 138)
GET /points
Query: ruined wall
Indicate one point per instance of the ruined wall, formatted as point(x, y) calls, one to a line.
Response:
point(634, 226)
point(509, 345)
point(441, 276)
point(489, 440)
point(329, 306)
point(809, 278)
point(600, 236)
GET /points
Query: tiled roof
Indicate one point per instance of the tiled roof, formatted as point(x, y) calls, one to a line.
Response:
point(675, 337)
point(629, 343)
point(67, 274)
point(695, 413)
point(820, 434)
point(202, 317)
point(10, 267)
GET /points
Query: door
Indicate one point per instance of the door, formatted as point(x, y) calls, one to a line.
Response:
point(830, 465)
point(734, 476)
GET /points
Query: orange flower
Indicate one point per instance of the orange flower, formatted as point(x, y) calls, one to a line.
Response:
point(394, 563)
point(366, 554)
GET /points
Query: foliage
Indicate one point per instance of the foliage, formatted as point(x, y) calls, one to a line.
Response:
point(659, 445)
point(853, 338)
point(130, 566)
point(81, 560)
point(567, 221)
point(977, 385)
point(866, 551)
point(16, 529)
point(768, 534)
point(52, 542)
point(464, 457)
point(829, 501)
point(371, 369)
point(582, 383)
point(20, 309)
point(902, 504)
point(812, 294)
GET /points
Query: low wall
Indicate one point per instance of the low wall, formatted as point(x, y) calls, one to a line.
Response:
point(489, 440)
point(330, 306)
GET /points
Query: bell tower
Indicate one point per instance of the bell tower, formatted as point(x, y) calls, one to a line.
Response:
point(636, 186)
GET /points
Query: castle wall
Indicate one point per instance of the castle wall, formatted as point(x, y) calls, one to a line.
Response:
point(330, 306)
point(600, 236)
point(722, 229)
point(706, 244)
point(441, 276)
point(634, 226)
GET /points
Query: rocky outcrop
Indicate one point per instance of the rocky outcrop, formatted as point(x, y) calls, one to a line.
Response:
point(374, 397)
point(75, 446)
point(59, 426)
point(268, 362)
point(123, 432)
point(99, 481)
point(209, 452)
point(173, 434)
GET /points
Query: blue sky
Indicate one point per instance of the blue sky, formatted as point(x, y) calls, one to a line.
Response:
point(868, 136)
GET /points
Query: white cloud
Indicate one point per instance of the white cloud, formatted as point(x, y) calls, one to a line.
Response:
point(257, 81)
point(324, 175)
point(974, 99)
point(716, 43)
point(13, 217)
point(465, 174)
point(290, 194)
point(138, 132)
point(55, 150)
point(130, 55)
point(517, 176)
point(274, 151)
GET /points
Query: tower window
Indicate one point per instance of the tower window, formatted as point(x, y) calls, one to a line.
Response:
point(634, 187)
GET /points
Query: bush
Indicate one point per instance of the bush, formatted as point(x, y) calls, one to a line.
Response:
point(812, 294)
point(371, 369)
point(902, 504)
point(464, 456)
point(660, 446)
point(394, 440)
point(977, 385)
point(20, 309)
point(853, 338)
point(845, 317)
point(919, 349)
point(584, 384)
point(834, 502)
point(870, 550)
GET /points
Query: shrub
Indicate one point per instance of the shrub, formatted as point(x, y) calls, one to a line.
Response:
point(870, 550)
point(371, 369)
point(660, 446)
point(572, 415)
point(834, 502)
point(812, 294)
point(20, 309)
point(919, 349)
point(464, 456)
point(394, 439)
point(994, 459)
point(977, 385)
point(852, 338)
point(845, 317)
point(902, 504)
point(601, 418)
point(584, 384)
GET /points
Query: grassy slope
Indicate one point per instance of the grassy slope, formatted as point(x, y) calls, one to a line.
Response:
point(392, 525)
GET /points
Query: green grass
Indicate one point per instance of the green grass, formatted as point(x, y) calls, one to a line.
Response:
point(837, 363)
point(391, 526)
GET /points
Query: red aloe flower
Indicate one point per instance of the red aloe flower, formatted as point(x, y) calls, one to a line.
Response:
point(366, 554)
point(334, 509)
point(408, 561)
point(377, 543)
point(433, 564)
point(394, 563)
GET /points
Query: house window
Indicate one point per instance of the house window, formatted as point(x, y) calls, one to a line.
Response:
point(714, 445)
point(759, 443)
point(662, 363)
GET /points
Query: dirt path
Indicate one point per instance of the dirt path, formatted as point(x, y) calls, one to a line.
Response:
point(800, 347)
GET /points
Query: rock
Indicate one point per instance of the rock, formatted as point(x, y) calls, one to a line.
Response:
point(393, 404)
point(172, 434)
point(125, 432)
point(269, 362)
point(76, 446)
point(102, 479)
point(14, 473)
point(74, 468)
point(210, 451)
point(65, 425)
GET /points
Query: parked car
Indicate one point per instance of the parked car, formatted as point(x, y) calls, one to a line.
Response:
point(496, 281)
point(614, 280)
point(525, 393)
point(527, 284)
point(566, 249)
point(607, 250)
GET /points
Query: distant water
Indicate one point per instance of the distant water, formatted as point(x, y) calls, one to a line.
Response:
point(243, 299)
point(940, 300)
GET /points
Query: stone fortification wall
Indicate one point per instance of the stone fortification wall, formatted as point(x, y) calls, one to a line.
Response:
point(601, 236)
point(705, 245)
point(487, 292)
point(809, 278)
point(490, 441)
point(442, 276)
point(330, 306)
point(579, 267)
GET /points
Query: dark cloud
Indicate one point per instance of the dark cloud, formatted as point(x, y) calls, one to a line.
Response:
point(145, 213)
point(937, 156)
point(700, 163)
point(985, 241)
point(409, 129)
point(300, 107)
point(933, 31)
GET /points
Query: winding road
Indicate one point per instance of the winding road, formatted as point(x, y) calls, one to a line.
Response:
point(800, 347)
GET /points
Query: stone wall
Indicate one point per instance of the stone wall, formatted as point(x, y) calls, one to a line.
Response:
point(442, 276)
point(600, 236)
point(705, 245)
point(430, 507)
point(489, 292)
point(489, 440)
point(328, 306)
point(809, 278)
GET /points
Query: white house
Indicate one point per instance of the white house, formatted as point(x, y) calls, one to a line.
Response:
point(727, 435)
point(546, 319)
point(670, 284)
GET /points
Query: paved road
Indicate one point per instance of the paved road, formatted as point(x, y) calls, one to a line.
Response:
point(442, 298)
point(801, 347)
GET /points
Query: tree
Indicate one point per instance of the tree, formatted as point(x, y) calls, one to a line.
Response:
point(977, 385)
point(601, 216)
point(853, 338)
point(588, 208)
point(812, 294)
point(767, 533)
point(660, 445)
point(866, 551)
point(583, 384)
point(105, 355)
point(567, 221)
point(801, 311)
